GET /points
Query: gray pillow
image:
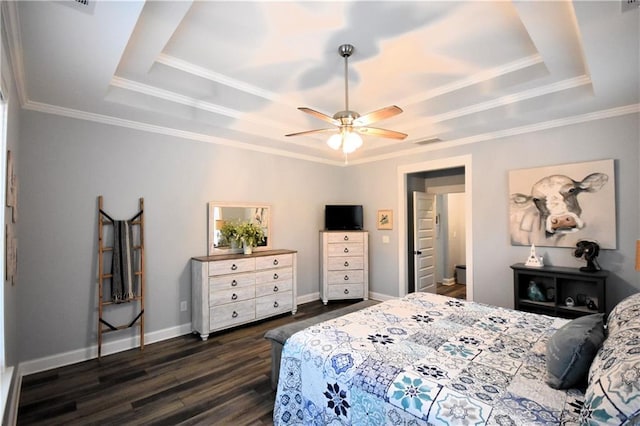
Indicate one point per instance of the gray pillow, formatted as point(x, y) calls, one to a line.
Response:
point(571, 350)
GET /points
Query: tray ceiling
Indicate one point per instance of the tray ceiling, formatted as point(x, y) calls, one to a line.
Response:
point(233, 73)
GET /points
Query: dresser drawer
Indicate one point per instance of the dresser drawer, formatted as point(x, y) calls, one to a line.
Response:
point(345, 237)
point(345, 263)
point(346, 291)
point(227, 315)
point(345, 277)
point(274, 304)
point(276, 261)
point(345, 249)
point(273, 288)
point(233, 295)
point(233, 266)
point(225, 282)
point(274, 275)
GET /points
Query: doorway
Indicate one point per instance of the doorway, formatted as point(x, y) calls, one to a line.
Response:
point(449, 181)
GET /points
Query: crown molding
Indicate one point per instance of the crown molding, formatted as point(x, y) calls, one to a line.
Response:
point(478, 78)
point(11, 28)
point(190, 68)
point(558, 86)
point(168, 131)
point(536, 127)
point(114, 121)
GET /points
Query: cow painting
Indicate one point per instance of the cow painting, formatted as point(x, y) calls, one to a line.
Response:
point(551, 212)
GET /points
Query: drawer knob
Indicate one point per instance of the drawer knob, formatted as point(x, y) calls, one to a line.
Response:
point(234, 267)
point(275, 288)
point(234, 296)
point(275, 304)
point(234, 283)
point(346, 291)
point(346, 238)
point(275, 261)
point(346, 249)
point(346, 277)
point(234, 314)
point(346, 264)
point(275, 276)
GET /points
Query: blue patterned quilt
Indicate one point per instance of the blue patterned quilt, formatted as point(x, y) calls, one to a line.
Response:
point(422, 359)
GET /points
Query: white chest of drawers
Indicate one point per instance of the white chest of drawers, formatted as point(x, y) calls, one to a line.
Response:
point(344, 265)
point(234, 289)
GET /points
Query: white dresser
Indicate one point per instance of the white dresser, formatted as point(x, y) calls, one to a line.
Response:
point(233, 289)
point(344, 265)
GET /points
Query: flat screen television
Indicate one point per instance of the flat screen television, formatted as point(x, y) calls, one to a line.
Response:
point(342, 216)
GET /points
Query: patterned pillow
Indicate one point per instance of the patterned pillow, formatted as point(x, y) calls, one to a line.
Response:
point(627, 311)
point(613, 393)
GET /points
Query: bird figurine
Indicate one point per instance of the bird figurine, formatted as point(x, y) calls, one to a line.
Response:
point(534, 292)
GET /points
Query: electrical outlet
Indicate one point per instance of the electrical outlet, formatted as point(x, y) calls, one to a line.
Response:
point(183, 306)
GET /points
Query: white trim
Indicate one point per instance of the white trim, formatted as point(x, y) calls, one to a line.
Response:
point(307, 298)
point(445, 163)
point(152, 128)
point(482, 137)
point(380, 297)
point(79, 355)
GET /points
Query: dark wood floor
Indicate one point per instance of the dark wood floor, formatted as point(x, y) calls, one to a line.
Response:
point(459, 291)
point(224, 380)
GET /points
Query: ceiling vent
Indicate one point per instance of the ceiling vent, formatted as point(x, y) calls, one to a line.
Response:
point(428, 141)
point(86, 6)
point(628, 5)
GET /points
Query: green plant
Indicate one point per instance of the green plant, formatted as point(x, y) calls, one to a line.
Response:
point(229, 232)
point(250, 234)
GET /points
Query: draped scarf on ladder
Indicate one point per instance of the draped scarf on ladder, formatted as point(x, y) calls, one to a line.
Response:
point(122, 262)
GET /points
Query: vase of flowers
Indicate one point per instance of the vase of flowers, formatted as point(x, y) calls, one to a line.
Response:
point(250, 234)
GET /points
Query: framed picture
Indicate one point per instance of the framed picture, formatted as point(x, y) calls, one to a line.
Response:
point(11, 182)
point(385, 219)
point(557, 206)
point(11, 255)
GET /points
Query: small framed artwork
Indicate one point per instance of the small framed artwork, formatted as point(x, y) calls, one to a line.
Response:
point(385, 219)
point(11, 255)
point(11, 181)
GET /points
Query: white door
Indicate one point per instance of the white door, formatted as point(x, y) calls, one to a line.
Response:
point(424, 234)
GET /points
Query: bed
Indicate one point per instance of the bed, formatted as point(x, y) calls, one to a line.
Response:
point(430, 359)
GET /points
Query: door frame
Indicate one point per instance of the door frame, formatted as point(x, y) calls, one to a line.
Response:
point(403, 230)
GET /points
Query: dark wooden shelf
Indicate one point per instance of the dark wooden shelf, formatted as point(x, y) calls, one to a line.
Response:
point(561, 282)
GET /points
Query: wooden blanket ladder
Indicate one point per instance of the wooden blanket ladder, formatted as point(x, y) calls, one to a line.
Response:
point(106, 221)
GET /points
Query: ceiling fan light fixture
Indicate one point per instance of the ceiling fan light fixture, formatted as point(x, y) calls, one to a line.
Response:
point(335, 141)
point(351, 142)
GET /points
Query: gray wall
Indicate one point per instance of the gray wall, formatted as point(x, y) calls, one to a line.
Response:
point(65, 164)
point(615, 138)
point(13, 136)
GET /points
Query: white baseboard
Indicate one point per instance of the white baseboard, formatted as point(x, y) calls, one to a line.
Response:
point(380, 297)
point(6, 378)
point(84, 354)
point(308, 298)
point(316, 296)
point(79, 355)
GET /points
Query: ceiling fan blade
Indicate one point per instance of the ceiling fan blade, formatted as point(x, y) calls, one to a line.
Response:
point(377, 115)
point(383, 133)
point(321, 116)
point(310, 132)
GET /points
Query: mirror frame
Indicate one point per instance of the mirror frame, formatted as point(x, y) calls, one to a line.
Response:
point(211, 225)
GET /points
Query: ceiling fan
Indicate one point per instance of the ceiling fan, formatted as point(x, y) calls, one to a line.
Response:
point(350, 123)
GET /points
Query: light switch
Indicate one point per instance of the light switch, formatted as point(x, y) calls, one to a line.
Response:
point(385, 239)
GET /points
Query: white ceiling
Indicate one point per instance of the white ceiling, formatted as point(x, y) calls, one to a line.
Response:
point(234, 73)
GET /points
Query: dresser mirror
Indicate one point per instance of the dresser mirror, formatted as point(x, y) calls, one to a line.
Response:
point(223, 212)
